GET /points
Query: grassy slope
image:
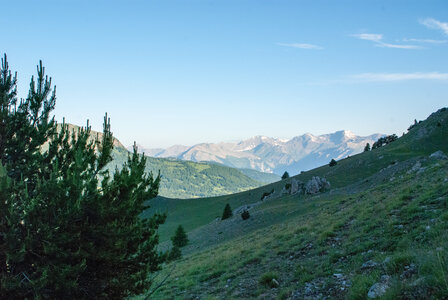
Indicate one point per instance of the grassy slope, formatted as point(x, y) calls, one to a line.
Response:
point(374, 210)
point(185, 179)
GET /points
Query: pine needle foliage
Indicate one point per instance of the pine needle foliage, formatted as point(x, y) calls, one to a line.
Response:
point(68, 228)
point(180, 238)
point(227, 213)
point(285, 175)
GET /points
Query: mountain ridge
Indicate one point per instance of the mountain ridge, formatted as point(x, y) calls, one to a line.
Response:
point(272, 155)
point(186, 179)
point(381, 223)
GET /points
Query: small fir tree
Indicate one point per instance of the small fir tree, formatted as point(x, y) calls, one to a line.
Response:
point(333, 163)
point(174, 254)
point(180, 238)
point(285, 175)
point(227, 213)
point(367, 148)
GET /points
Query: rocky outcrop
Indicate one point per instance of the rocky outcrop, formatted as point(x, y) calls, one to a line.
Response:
point(438, 155)
point(296, 186)
point(313, 186)
point(316, 185)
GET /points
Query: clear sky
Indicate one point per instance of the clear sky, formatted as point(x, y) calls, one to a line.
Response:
point(185, 72)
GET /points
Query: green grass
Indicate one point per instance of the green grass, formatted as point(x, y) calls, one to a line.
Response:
point(318, 244)
point(186, 179)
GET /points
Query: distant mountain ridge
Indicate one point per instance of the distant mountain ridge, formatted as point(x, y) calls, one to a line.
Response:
point(273, 155)
point(186, 179)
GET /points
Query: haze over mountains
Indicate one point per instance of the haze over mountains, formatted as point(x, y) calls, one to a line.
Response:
point(272, 155)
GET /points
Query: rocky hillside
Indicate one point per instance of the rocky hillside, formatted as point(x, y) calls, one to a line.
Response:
point(374, 226)
point(267, 154)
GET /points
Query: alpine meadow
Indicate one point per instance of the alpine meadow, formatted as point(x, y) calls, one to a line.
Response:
point(220, 150)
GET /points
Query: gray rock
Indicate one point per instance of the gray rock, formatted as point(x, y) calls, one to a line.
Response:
point(379, 288)
point(438, 155)
point(275, 283)
point(338, 275)
point(415, 168)
point(369, 265)
point(409, 271)
point(316, 185)
point(296, 186)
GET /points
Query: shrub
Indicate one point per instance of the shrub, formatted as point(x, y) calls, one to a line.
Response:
point(384, 141)
point(413, 125)
point(266, 194)
point(269, 279)
point(333, 163)
point(180, 238)
point(227, 213)
point(245, 215)
point(367, 147)
point(285, 175)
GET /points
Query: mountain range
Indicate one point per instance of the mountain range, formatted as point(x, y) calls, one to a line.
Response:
point(187, 179)
point(377, 229)
point(272, 155)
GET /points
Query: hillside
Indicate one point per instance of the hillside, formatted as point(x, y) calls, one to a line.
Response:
point(183, 179)
point(273, 155)
point(381, 229)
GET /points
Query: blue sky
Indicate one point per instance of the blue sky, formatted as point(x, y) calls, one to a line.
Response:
point(185, 72)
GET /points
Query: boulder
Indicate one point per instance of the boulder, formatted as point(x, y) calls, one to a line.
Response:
point(439, 155)
point(316, 185)
point(369, 265)
point(296, 186)
point(379, 288)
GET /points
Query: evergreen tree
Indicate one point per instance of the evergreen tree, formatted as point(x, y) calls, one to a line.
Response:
point(227, 213)
point(333, 163)
point(68, 228)
point(174, 254)
point(285, 175)
point(367, 148)
point(180, 238)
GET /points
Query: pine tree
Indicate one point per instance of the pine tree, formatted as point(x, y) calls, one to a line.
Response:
point(367, 148)
point(69, 229)
point(285, 175)
point(227, 213)
point(180, 238)
point(333, 163)
point(174, 254)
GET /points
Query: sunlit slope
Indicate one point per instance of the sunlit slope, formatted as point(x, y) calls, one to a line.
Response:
point(332, 245)
point(183, 179)
point(424, 139)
